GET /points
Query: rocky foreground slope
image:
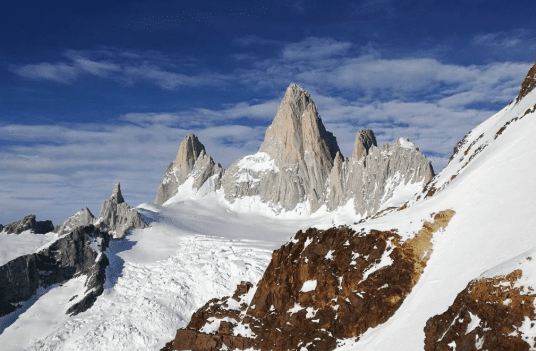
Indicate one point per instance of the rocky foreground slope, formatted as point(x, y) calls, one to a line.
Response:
point(299, 163)
point(320, 287)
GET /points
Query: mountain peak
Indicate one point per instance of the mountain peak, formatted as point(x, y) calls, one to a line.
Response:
point(189, 150)
point(297, 129)
point(528, 84)
point(116, 193)
point(364, 140)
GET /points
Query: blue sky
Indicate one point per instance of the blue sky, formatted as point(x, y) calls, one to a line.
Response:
point(94, 93)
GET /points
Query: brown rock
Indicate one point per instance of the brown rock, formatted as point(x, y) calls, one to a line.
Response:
point(497, 306)
point(528, 84)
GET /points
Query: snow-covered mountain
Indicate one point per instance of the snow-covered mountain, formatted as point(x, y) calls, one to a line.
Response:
point(445, 264)
point(300, 168)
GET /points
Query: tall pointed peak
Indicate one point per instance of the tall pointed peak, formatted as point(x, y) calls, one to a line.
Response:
point(364, 141)
point(528, 84)
point(116, 194)
point(189, 150)
point(297, 129)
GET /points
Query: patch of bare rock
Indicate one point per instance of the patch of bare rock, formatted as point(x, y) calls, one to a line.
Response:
point(487, 315)
point(321, 286)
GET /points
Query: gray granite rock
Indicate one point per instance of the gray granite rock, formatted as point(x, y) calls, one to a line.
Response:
point(294, 160)
point(370, 180)
point(80, 252)
point(117, 217)
point(29, 223)
point(191, 160)
point(81, 218)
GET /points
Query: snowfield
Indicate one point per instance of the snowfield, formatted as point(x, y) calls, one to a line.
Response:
point(198, 247)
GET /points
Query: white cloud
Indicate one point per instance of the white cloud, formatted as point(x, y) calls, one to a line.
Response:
point(60, 72)
point(315, 48)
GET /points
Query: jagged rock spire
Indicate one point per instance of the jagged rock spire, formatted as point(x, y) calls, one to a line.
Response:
point(189, 150)
point(364, 140)
point(297, 129)
point(116, 194)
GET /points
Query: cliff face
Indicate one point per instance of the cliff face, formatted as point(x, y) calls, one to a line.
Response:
point(293, 161)
point(319, 287)
point(191, 162)
point(80, 252)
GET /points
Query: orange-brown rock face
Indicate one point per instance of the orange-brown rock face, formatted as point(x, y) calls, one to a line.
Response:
point(486, 315)
point(528, 84)
point(321, 286)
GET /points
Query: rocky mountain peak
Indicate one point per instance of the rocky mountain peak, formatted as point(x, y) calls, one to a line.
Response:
point(189, 150)
point(116, 193)
point(191, 161)
point(528, 84)
point(297, 129)
point(364, 140)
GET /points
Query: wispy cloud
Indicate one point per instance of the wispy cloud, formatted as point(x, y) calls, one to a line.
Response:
point(315, 48)
point(133, 68)
point(60, 72)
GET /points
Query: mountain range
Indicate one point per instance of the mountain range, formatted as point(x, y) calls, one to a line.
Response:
point(295, 247)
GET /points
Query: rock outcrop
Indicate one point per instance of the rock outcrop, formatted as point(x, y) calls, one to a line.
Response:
point(491, 313)
point(294, 160)
point(319, 287)
point(528, 84)
point(117, 217)
point(191, 162)
point(29, 223)
point(77, 253)
point(81, 218)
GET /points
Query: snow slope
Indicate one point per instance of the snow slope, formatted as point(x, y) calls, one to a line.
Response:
point(493, 197)
point(198, 247)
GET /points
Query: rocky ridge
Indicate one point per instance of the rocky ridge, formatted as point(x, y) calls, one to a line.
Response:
point(116, 217)
point(299, 162)
point(192, 163)
point(28, 223)
point(79, 219)
point(319, 287)
point(528, 84)
point(370, 176)
point(80, 252)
